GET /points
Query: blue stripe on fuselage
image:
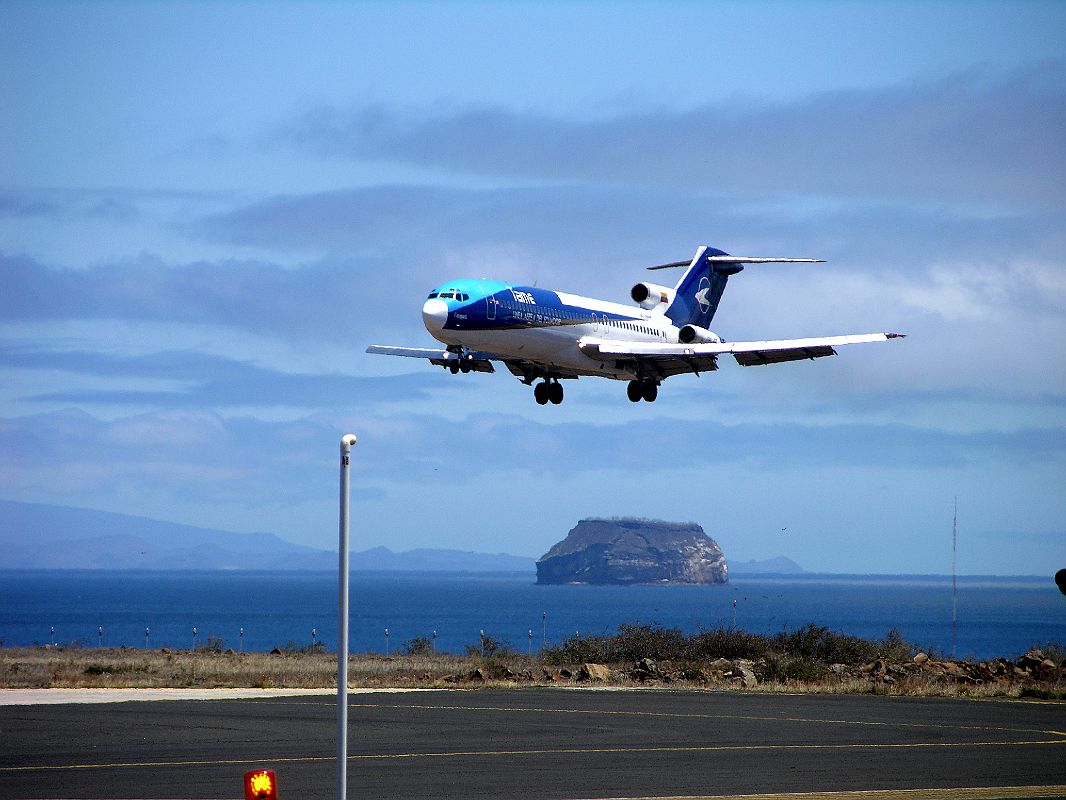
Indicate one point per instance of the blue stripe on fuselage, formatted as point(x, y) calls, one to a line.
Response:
point(492, 305)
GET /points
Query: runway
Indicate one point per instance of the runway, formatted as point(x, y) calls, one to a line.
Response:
point(543, 743)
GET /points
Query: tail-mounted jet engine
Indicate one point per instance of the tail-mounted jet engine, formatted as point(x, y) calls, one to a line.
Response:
point(650, 295)
point(694, 333)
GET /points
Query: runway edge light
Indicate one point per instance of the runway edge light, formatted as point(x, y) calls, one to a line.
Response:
point(260, 784)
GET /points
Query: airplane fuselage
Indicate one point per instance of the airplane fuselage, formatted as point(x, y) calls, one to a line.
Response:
point(532, 324)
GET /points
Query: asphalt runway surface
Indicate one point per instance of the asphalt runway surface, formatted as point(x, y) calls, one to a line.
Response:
point(542, 743)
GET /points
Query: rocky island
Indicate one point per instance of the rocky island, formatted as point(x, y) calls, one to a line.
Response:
point(629, 551)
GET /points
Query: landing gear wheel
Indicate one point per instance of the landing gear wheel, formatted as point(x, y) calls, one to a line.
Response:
point(650, 391)
point(633, 390)
point(464, 366)
point(555, 393)
point(540, 393)
point(454, 367)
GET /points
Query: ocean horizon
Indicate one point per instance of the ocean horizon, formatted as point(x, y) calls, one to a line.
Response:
point(261, 610)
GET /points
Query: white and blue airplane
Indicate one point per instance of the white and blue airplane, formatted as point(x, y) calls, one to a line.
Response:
point(544, 337)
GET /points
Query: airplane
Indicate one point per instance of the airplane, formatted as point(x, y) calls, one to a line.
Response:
point(544, 336)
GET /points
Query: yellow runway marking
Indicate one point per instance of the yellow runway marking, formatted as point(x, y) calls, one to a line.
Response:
point(542, 752)
point(970, 793)
point(699, 715)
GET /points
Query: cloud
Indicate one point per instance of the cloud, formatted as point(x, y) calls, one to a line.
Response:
point(616, 231)
point(22, 204)
point(243, 473)
point(324, 299)
point(412, 446)
point(198, 380)
point(969, 137)
point(64, 205)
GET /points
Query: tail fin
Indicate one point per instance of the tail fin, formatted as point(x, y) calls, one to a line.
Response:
point(700, 289)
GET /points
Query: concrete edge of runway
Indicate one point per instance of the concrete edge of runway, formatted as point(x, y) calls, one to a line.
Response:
point(45, 697)
point(42, 697)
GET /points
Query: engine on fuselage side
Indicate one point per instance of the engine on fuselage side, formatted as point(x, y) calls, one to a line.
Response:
point(694, 333)
point(651, 295)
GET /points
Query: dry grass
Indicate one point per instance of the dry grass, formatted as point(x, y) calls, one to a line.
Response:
point(916, 688)
point(60, 667)
point(47, 667)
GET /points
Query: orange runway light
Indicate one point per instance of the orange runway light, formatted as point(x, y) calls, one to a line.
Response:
point(260, 784)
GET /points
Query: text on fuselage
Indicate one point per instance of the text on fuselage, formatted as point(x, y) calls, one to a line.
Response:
point(523, 297)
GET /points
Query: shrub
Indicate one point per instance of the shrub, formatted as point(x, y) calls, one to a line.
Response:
point(635, 642)
point(578, 650)
point(1040, 694)
point(895, 648)
point(214, 644)
point(419, 646)
point(829, 647)
point(488, 646)
point(784, 668)
point(729, 643)
point(812, 644)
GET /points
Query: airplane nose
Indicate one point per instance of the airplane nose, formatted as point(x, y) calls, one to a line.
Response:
point(434, 315)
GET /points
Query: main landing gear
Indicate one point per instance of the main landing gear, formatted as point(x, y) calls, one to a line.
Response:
point(548, 391)
point(642, 390)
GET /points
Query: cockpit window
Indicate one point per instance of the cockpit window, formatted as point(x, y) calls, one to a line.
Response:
point(432, 295)
point(464, 296)
point(446, 295)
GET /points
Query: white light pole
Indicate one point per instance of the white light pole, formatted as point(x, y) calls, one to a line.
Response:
point(347, 442)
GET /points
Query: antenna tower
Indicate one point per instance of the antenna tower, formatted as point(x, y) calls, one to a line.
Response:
point(954, 587)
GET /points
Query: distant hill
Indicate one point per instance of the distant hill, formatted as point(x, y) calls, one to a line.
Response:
point(36, 536)
point(776, 566)
point(627, 551)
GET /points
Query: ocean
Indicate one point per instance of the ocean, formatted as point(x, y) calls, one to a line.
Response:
point(997, 616)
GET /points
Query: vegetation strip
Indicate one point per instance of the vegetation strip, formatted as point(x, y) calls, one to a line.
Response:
point(809, 659)
point(537, 752)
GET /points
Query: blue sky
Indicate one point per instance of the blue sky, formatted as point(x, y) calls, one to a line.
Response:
point(207, 211)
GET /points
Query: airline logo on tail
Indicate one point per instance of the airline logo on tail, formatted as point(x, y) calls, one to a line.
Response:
point(701, 295)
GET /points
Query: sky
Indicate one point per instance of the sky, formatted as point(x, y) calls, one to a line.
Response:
point(209, 210)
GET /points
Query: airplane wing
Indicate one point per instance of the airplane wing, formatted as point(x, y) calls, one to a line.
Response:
point(524, 369)
point(479, 362)
point(672, 359)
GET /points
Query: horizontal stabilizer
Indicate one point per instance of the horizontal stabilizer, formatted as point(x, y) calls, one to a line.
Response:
point(742, 260)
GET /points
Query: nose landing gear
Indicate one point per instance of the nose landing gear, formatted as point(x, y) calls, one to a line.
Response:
point(462, 363)
point(642, 390)
point(548, 391)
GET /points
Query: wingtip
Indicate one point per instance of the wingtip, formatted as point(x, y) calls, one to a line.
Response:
point(895, 336)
